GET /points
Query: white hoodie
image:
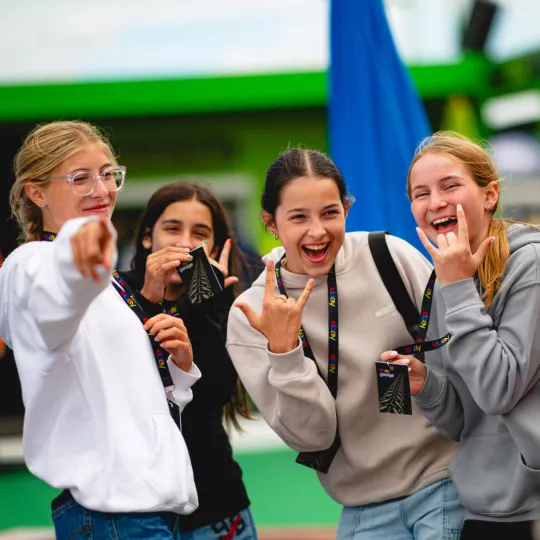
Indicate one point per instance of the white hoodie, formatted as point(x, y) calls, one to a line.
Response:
point(97, 420)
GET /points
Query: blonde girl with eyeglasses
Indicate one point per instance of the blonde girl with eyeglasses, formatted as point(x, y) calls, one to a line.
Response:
point(97, 418)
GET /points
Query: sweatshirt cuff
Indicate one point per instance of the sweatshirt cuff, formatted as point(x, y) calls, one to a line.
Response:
point(288, 365)
point(183, 380)
point(460, 294)
point(431, 391)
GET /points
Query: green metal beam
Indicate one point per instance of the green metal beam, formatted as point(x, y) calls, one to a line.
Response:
point(215, 94)
point(159, 97)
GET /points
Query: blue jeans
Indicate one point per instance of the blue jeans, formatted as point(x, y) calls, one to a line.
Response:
point(241, 526)
point(433, 513)
point(73, 522)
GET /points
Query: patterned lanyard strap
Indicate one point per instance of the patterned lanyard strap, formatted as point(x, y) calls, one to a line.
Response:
point(333, 343)
point(159, 355)
point(321, 460)
point(421, 345)
point(172, 309)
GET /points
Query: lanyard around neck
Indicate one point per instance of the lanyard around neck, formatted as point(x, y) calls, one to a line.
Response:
point(421, 345)
point(322, 459)
point(333, 343)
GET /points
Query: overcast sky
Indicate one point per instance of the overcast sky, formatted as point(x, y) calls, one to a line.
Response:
point(74, 40)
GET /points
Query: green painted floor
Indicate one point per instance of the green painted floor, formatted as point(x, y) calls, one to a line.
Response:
point(281, 491)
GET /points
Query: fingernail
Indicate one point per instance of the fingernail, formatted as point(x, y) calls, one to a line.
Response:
point(410, 369)
point(405, 361)
point(493, 238)
point(230, 241)
point(459, 207)
point(393, 353)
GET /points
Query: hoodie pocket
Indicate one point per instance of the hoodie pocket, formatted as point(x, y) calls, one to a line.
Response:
point(531, 479)
point(492, 479)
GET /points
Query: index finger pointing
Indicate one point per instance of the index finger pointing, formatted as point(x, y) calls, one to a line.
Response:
point(105, 229)
point(305, 294)
point(270, 283)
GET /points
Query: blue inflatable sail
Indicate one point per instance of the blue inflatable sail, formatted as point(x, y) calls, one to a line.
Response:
point(376, 118)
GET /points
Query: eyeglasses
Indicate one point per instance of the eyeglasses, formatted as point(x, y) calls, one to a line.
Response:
point(84, 182)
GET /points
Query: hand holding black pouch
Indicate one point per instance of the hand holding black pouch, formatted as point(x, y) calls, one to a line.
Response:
point(198, 277)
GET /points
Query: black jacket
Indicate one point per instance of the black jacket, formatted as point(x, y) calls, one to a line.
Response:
point(218, 477)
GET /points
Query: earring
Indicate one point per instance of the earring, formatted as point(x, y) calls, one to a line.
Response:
point(42, 204)
point(276, 237)
point(488, 206)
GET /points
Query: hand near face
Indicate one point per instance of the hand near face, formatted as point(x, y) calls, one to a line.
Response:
point(92, 245)
point(281, 317)
point(160, 267)
point(453, 259)
point(223, 264)
point(172, 335)
point(417, 370)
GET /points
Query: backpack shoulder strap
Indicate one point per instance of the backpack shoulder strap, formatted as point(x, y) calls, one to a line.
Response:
point(392, 280)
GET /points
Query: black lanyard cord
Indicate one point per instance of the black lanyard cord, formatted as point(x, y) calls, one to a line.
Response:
point(321, 460)
point(421, 345)
point(333, 335)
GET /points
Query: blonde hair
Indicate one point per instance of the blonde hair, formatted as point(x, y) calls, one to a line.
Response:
point(45, 148)
point(483, 169)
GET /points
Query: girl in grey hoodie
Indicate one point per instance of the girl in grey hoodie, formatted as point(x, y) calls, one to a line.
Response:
point(481, 387)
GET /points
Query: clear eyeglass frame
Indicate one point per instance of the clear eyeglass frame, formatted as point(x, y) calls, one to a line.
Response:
point(83, 183)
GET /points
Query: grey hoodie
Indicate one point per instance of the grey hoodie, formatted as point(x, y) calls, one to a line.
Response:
point(482, 387)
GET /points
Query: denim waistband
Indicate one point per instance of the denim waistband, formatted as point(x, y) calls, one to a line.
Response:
point(63, 498)
point(168, 517)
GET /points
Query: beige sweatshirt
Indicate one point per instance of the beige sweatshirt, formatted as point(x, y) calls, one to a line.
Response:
point(382, 456)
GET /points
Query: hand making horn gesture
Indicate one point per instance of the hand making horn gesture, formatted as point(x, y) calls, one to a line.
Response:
point(453, 259)
point(223, 264)
point(281, 317)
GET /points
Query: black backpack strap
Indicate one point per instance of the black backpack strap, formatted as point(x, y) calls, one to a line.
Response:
point(392, 280)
